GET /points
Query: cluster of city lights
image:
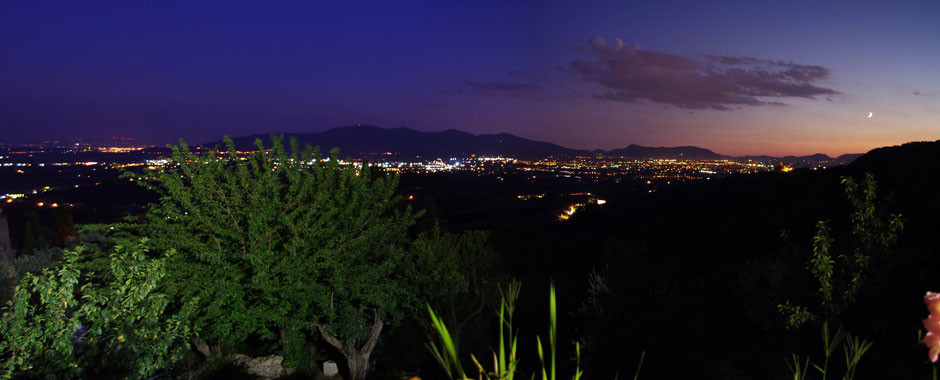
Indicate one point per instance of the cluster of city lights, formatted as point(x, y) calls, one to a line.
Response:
point(590, 199)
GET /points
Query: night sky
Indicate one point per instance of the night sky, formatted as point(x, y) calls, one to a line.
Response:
point(748, 77)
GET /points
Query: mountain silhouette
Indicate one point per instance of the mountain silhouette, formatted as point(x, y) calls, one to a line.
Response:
point(406, 143)
point(681, 152)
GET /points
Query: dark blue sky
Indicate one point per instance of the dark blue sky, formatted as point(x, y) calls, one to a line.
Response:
point(738, 77)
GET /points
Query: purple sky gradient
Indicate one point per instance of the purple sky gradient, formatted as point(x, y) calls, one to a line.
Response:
point(744, 77)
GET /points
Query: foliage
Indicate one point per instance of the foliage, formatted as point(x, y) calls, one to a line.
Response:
point(446, 354)
point(454, 266)
point(853, 348)
point(798, 367)
point(830, 344)
point(639, 366)
point(102, 239)
point(65, 232)
point(553, 340)
point(841, 275)
point(456, 277)
point(796, 315)
point(35, 262)
point(508, 337)
point(505, 360)
point(56, 326)
point(36, 236)
point(281, 241)
point(633, 280)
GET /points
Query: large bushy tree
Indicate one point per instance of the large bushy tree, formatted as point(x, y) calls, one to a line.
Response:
point(282, 245)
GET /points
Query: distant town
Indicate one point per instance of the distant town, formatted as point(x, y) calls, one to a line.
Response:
point(38, 169)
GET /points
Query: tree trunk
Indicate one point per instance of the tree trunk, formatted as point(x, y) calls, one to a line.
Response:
point(357, 358)
point(358, 366)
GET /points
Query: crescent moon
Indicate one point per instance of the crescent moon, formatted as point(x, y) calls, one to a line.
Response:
point(870, 115)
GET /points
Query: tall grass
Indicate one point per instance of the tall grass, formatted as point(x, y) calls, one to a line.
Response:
point(853, 348)
point(505, 360)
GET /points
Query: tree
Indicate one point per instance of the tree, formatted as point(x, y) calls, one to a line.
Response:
point(65, 232)
point(35, 236)
point(61, 324)
point(283, 246)
point(842, 270)
point(456, 276)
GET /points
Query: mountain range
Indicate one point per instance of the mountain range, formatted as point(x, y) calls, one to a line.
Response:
point(406, 143)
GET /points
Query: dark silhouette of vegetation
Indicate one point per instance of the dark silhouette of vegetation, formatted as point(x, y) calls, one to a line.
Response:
point(457, 274)
point(36, 236)
point(66, 233)
point(841, 275)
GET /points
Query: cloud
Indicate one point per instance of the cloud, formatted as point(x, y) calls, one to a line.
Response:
point(926, 93)
point(510, 88)
point(632, 74)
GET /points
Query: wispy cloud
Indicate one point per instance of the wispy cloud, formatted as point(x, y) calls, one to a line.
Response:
point(632, 74)
point(926, 93)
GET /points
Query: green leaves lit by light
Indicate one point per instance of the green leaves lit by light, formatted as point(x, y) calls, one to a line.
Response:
point(549, 374)
point(798, 368)
point(505, 359)
point(283, 232)
point(446, 355)
point(79, 322)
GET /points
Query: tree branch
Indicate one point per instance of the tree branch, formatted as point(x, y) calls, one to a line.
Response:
point(329, 338)
point(374, 334)
point(478, 309)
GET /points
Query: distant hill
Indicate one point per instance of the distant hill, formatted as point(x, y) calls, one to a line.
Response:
point(409, 143)
point(646, 152)
point(406, 142)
